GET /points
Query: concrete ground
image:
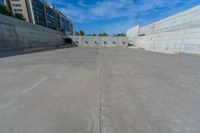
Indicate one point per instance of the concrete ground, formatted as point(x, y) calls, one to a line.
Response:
point(100, 90)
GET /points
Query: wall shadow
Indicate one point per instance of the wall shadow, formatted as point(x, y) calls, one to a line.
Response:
point(10, 53)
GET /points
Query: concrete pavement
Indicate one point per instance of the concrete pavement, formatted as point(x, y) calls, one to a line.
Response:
point(93, 90)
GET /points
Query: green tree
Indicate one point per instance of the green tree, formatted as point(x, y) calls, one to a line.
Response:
point(82, 33)
point(104, 34)
point(120, 35)
point(100, 34)
point(4, 10)
point(94, 34)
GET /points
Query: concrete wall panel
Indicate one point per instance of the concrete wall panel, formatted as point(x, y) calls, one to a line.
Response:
point(96, 41)
point(174, 40)
point(17, 34)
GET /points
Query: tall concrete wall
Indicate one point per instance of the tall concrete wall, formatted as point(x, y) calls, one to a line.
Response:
point(96, 41)
point(187, 19)
point(180, 32)
point(132, 34)
point(17, 34)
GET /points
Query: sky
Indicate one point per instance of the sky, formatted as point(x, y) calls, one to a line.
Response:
point(116, 16)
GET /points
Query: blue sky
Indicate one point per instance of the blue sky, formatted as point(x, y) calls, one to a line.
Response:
point(116, 16)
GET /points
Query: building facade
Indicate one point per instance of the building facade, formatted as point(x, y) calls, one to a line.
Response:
point(64, 23)
point(41, 13)
point(19, 7)
point(37, 12)
point(50, 17)
point(46, 15)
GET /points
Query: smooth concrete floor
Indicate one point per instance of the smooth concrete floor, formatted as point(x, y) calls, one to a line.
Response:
point(100, 90)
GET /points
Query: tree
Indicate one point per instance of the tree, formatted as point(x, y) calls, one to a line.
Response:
point(120, 35)
point(100, 34)
point(19, 16)
point(104, 34)
point(82, 33)
point(94, 34)
point(4, 10)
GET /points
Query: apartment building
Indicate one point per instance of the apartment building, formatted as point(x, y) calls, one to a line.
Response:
point(44, 14)
point(64, 23)
point(38, 13)
point(20, 7)
point(41, 13)
point(51, 19)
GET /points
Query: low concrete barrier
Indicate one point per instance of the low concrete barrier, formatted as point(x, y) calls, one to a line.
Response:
point(17, 34)
point(99, 41)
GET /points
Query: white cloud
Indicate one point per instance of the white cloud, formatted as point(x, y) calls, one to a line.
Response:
point(82, 12)
point(112, 8)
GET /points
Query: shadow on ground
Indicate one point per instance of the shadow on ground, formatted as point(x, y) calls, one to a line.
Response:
point(4, 54)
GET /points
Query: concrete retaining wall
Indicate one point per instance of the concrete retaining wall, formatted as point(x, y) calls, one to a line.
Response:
point(187, 19)
point(96, 41)
point(186, 40)
point(180, 32)
point(17, 34)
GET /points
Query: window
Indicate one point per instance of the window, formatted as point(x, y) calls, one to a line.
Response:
point(16, 5)
point(18, 10)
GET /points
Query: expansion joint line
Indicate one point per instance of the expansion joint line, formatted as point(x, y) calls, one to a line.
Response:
point(100, 107)
point(100, 93)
